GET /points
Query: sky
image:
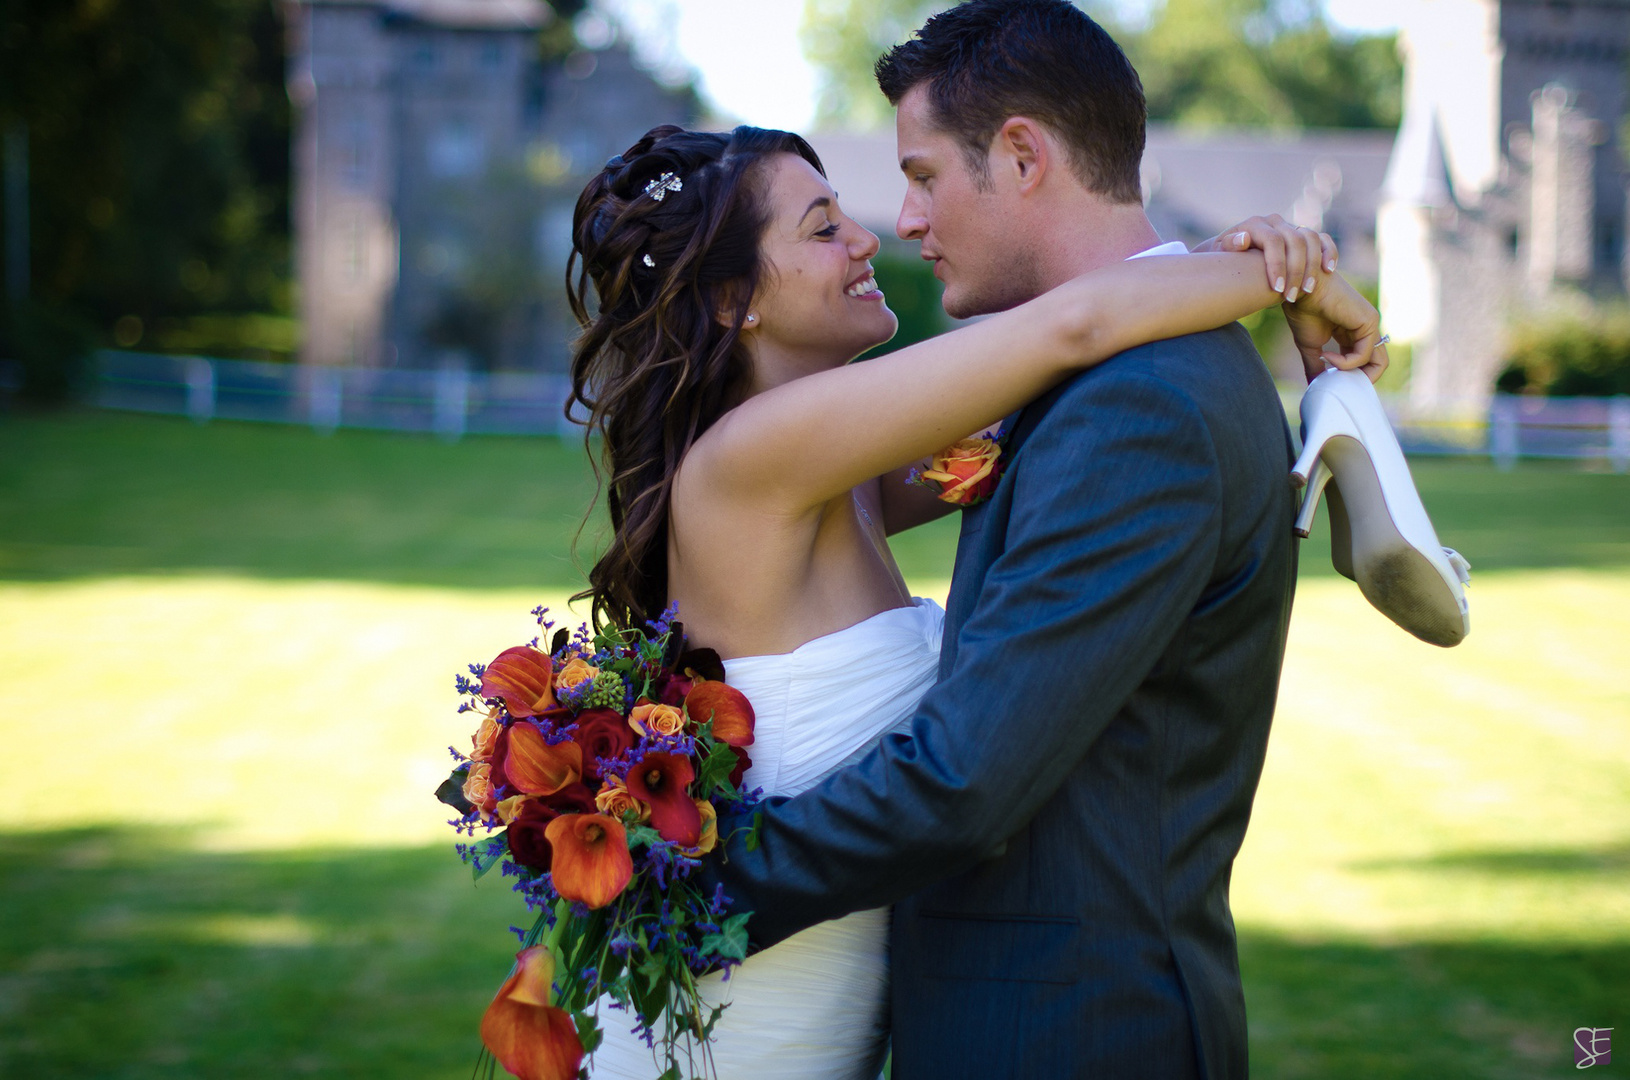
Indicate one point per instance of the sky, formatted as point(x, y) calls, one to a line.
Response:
point(750, 67)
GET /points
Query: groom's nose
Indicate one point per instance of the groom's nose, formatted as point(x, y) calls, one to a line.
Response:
point(913, 221)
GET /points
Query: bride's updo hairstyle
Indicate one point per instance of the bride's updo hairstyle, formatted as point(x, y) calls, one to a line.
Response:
point(667, 236)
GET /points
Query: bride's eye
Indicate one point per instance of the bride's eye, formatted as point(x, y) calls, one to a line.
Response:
point(828, 232)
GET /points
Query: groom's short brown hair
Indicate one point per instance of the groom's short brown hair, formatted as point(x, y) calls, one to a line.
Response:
point(987, 60)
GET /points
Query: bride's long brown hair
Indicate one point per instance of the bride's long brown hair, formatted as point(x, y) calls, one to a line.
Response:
point(660, 357)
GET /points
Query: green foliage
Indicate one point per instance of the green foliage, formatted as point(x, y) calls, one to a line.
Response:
point(1263, 63)
point(159, 157)
point(1247, 63)
point(843, 39)
point(51, 346)
point(1570, 355)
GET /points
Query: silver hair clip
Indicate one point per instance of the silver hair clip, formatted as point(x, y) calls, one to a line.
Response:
point(648, 261)
point(658, 189)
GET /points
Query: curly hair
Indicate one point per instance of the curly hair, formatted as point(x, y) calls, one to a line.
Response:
point(660, 358)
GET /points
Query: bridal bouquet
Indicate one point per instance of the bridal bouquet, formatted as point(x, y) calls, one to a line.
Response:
point(596, 780)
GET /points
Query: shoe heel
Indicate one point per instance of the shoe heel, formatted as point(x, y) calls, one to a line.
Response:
point(1318, 476)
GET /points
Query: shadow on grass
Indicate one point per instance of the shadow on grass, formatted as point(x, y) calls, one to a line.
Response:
point(1607, 859)
point(124, 955)
point(96, 494)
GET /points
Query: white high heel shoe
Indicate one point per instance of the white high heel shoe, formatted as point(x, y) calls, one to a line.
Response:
point(1380, 534)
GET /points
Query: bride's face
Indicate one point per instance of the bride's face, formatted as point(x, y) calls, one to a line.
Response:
point(819, 300)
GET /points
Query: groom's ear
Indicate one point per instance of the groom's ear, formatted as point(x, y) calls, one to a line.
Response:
point(1023, 150)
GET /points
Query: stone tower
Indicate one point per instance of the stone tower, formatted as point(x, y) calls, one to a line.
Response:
point(1507, 183)
point(436, 161)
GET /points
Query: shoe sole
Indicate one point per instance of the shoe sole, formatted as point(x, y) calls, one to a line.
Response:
point(1398, 580)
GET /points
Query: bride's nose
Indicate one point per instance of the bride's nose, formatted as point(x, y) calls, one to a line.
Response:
point(864, 244)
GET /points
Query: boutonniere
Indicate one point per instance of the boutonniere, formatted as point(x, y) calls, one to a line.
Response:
point(967, 471)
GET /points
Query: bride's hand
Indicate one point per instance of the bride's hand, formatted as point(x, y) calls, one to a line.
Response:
point(1337, 310)
point(1294, 255)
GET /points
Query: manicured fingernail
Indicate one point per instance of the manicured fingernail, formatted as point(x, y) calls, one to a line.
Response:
point(1290, 296)
point(1330, 266)
point(1307, 286)
point(1279, 285)
point(1242, 239)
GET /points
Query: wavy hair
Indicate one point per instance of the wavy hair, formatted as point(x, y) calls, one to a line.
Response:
point(660, 358)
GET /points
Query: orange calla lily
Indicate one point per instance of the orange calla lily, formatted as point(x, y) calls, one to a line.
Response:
point(731, 712)
point(660, 782)
point(538, 767)
point(531, 1038)
point(591, 861)
point(521, 677)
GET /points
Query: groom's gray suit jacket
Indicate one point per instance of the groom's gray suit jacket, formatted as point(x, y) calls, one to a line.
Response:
point(1059, 827)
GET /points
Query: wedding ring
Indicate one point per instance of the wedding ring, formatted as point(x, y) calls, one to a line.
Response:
point(1384, 339)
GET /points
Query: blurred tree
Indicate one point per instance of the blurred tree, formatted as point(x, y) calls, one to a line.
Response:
point(1251, 63)
point(158, 145)
point(1263, 63)
point(843, 39)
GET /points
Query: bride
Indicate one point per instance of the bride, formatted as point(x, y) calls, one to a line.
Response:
point(753, 476)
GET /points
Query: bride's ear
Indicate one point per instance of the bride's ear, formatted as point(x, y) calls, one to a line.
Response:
point(729, 307)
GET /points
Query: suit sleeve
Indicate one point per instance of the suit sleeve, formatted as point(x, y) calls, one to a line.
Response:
point(1111, 540)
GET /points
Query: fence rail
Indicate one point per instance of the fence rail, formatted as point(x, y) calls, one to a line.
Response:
point(453, 402)
point(449, 402)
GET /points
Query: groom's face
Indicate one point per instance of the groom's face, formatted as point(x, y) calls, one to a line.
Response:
point(967, 222)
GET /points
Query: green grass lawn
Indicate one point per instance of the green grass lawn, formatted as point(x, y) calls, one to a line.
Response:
point(225, 682)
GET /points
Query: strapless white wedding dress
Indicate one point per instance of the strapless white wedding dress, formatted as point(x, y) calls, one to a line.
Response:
point(816, 1005)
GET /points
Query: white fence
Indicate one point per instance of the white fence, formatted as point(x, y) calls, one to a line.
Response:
point(453, 402)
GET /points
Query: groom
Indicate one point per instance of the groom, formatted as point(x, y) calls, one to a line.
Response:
point(1058, 828)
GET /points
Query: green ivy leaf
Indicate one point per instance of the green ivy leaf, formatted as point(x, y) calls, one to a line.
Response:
point(730, 943)
point(483, 855)
point(451, 791)
point(715, 771)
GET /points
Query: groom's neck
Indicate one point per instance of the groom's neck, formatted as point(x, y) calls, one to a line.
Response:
point(1089, 236)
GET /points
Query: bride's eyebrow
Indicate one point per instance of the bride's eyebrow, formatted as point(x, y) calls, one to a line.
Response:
point(822, 201)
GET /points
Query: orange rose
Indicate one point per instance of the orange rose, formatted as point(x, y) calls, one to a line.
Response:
point(965, 470)
point(486, 737)
point(614, 800)
point(651, 719)
point(576, 671)
point(710, 830)
point(478, 788)
point(509, 809)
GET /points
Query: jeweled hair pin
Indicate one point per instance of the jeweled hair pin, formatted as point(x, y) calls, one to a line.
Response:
point(658, 189)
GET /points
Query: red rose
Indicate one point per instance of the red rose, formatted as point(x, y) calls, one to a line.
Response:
point(604, 736)
point(528, 844)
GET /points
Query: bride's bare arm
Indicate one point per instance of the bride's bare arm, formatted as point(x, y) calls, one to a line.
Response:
point(797, 446)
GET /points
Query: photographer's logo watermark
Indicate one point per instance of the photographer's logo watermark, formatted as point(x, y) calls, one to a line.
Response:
point(1592, 1046)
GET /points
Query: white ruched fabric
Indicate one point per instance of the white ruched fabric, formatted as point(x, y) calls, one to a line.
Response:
point(816, 1005)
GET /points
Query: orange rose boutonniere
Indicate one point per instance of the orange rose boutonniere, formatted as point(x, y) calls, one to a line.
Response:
point(966, 472)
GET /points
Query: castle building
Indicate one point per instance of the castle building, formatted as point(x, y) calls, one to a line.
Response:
point(436, 160)
point(1506, 191)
